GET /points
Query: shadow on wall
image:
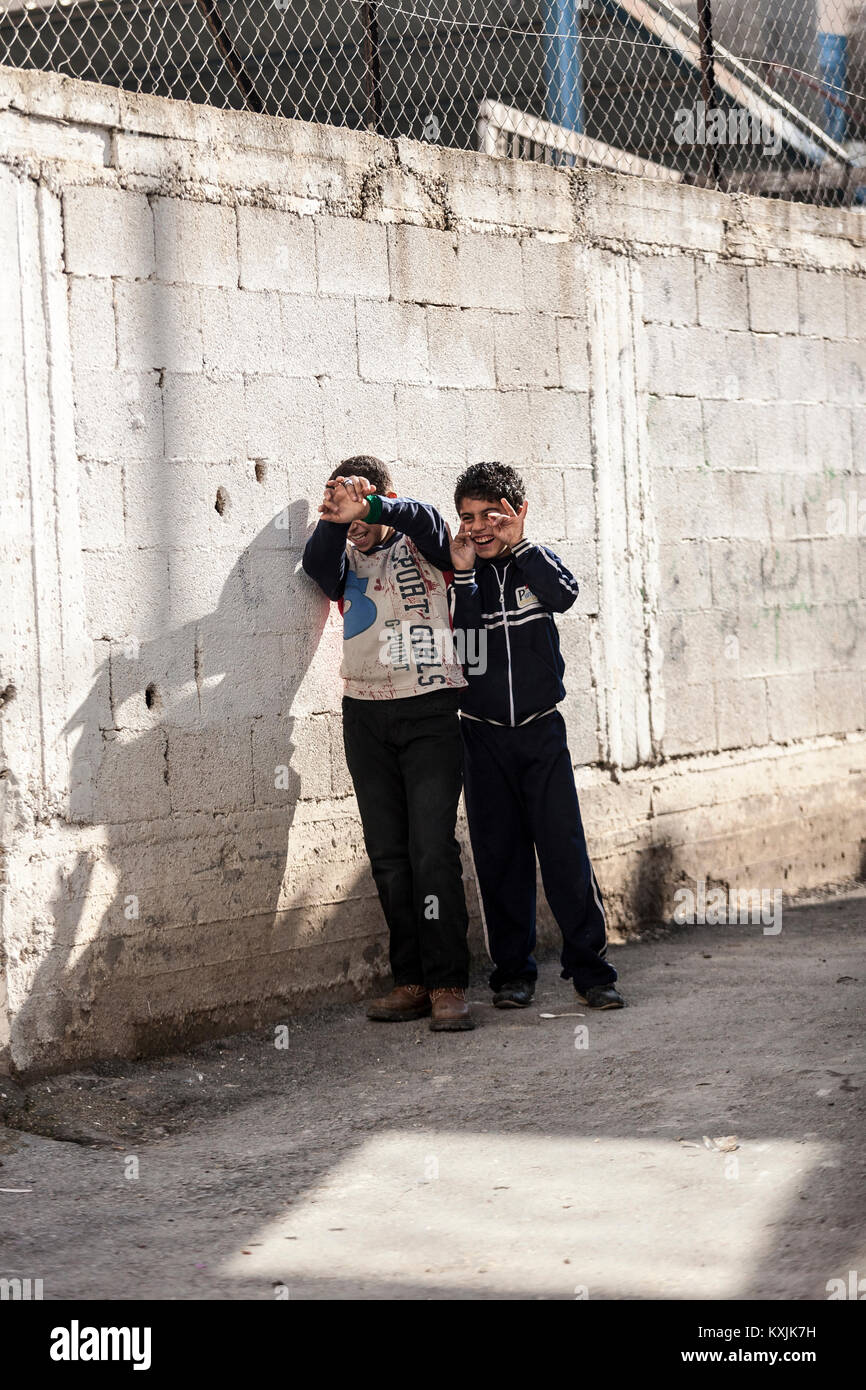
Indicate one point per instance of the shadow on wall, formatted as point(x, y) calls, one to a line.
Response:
point(180, 912)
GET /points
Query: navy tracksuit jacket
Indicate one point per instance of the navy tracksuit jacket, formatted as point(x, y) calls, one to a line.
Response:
point(518, 778)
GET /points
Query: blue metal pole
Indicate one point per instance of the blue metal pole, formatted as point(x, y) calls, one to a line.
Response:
point(833, 67)
point(562, 63)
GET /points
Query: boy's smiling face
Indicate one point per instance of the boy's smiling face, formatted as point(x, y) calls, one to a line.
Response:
point(364, 537)
point(474, 514)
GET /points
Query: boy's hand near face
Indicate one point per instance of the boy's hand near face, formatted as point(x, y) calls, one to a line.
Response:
point(345, 499)
point(508, 524)
point(462, 548)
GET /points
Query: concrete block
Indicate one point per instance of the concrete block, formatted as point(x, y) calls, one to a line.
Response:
point(785, 573)
point(314, 658)
point(242, 674)
point(792, 707)
point(855, 305)
point(210, 769)
point(319, 336)
point(263, 591)
point(526, 350)
point(736, 571)
point(846, 372)
point(196, 243)
point(117, 415)
point(723, 300)
point(741, 714)
point(431, 426)
point(579, 489)
point(858, 438)
point(546, 516)
point(690, 721)
point(154, 683)
point(828, 439)
point(490, 272)
point(423, 265)
point(763, 507)
point(461, 346)
point(130, 783)
point(669, 292)
point(801, 367)
point(277, 251)
point(760, 359)
point(498, 427)
point(158, 326)
point(579, 557)
point(241, 331)
point(821, 297)
point(91, 323)
point(801, 505)
point(126, 593)
point(207, 506)
point(834, 568)
point(352, 257)
point(773, 299)
point(100, 498)
point(692, 506)
point(839, 702)
point(579, 712)
point(560, 427)
point(284, 418)
point(554, 277)
point(702, 362)
point(698, 645)
point(573, 352)
point(204, 417)
point(730, 433)
point(754, 646)
point(107, 231)
point(675, 432)
point(360, 418)
point(780, 437)
point(392, 341)
point(685, 576)
point(291, 760)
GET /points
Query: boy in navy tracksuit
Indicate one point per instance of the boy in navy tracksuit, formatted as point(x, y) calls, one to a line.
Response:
point(518, 779)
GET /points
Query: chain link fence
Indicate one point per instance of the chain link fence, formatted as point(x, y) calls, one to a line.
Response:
point(759, 95)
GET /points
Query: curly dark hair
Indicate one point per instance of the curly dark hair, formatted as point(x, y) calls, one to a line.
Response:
point(490, 482)
point(366, 466)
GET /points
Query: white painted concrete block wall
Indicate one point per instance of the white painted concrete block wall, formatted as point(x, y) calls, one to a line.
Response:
point(230, 306)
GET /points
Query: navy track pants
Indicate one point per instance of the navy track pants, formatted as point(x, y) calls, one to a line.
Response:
point(521, 798)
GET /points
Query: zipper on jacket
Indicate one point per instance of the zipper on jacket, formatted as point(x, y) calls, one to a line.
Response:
point(501, 583)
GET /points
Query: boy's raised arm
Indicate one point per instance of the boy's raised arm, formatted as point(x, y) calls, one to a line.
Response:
point(324, 557)
point(420, 522)
point(546, 575)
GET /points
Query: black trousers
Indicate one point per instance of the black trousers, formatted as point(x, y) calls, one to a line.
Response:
point(521, 797)
point(405, 758)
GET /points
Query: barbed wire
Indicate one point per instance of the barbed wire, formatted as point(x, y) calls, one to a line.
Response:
point(576, 34)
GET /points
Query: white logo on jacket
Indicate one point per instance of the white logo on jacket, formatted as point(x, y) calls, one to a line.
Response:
point(525, 597)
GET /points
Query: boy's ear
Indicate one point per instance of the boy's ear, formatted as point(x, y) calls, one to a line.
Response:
point(390, 494)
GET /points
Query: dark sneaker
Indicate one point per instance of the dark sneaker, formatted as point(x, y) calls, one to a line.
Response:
point(404, 1003)
point(450, 1011)
point(602, 997)
point(514, 994)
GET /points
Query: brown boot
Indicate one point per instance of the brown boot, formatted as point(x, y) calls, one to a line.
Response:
point(404, 1003)
point(450, 1011)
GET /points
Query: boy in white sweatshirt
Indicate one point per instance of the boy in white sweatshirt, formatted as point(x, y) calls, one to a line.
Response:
point(386, 561)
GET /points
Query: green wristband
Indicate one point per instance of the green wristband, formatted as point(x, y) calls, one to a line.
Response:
point(374, 502)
